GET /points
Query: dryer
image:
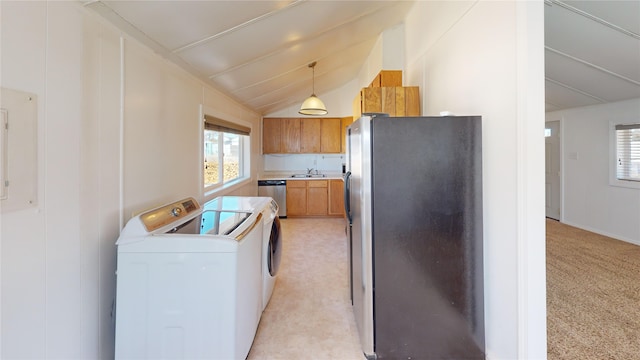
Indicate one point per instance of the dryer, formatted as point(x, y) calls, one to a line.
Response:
point(189, 283)
point(272, 234)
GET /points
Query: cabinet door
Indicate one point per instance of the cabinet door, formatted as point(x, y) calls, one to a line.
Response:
point(330, 132)
point(296, 198)
point(387, 78)
point(390, 78)
point(310, 135)
point(371, 100)
point(336, 197)
point(317, 197)
point(412, 100)
point(290, 135)
point(271, 135)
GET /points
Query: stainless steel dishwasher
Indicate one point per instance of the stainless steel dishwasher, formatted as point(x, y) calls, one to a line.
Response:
point(276, 189)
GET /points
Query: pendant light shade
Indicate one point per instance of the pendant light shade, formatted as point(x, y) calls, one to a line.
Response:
point(313, 105)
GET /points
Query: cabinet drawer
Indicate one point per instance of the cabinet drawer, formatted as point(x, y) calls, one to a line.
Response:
point(318, 183)
point(297, 184)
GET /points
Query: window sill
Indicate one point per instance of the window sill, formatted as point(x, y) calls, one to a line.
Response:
point(212, 193)
point(624, 184)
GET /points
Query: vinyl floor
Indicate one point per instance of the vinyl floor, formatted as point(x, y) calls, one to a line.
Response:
point(309, 315)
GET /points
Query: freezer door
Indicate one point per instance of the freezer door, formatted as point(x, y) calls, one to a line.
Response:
point(427, 238)
point(360, 207)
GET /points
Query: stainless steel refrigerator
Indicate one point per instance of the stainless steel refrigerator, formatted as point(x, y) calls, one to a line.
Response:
point(413, 197)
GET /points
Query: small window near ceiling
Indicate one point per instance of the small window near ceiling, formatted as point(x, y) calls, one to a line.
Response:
point(226, 152)
point(627, 137)
point(547, 132)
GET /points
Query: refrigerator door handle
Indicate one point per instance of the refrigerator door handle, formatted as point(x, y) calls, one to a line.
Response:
point(347, 196)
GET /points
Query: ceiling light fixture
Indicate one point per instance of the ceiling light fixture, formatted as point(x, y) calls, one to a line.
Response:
point(313, 105)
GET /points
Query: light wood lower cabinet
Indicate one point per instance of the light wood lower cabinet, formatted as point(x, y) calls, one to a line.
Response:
point(314, 198)
point(336, 197)
point(317, 197)
point(296, 198)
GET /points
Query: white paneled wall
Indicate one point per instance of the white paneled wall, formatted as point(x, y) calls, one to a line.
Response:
point(23, 239)
point(118, 131)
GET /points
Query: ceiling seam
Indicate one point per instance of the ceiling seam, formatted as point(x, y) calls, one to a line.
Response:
point(574, 89)
point(593, 66)
point(234, 28)
point(237, 90)
point(258, 59)
point(298, 41)
point(553, 104)
point(594, 18)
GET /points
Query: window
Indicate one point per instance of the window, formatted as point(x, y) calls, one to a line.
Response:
point(226, 151)
point(628, 152)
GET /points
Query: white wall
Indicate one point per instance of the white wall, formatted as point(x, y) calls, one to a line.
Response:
point(589, 202)
point(486, 58)
point(118, 131)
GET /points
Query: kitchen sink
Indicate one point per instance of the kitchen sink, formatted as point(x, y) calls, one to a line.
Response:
point(308, 175)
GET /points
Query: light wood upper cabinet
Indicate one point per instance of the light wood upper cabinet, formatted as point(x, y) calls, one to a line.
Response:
point(330, 135)
point(290, 135)
point(386, 95)
point(302, 136)
point(271, 135)
point(387, 78)
point(395, 101)
point(310, 135)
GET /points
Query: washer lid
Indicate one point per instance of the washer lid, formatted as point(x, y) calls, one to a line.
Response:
point(212, 222)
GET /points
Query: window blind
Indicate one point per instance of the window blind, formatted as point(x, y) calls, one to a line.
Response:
point(628, 152)
point(215, 124)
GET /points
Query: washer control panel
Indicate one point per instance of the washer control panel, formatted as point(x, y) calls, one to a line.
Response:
point(168, 214)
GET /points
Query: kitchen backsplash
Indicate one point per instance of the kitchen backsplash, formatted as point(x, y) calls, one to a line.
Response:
point(300, 162)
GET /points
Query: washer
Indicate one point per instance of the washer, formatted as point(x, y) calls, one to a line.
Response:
point(272, 234)
point(189, 283)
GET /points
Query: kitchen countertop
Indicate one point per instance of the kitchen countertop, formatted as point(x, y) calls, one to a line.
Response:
point(287, 176)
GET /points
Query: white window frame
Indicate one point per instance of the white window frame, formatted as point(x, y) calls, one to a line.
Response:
point(613, 157)
point(209, 191)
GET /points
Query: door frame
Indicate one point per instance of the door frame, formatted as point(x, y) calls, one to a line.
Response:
point(560, 158)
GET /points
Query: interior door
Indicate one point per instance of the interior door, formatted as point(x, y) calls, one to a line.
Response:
point(552, 169)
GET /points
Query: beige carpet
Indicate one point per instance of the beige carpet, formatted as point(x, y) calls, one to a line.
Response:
point(593, 295)
point(309, 315)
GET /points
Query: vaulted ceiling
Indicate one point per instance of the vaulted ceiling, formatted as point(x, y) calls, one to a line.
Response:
point(592, 52)
point(258, 51)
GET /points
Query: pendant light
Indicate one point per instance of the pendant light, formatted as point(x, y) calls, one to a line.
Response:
point(313, 105)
